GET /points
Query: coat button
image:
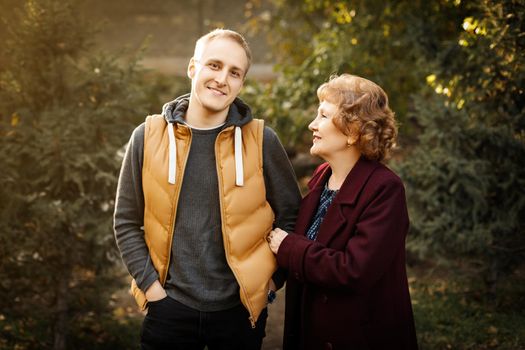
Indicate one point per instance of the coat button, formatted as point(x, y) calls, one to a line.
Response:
point(328, 346)
point(296, 275)
point(324, 299)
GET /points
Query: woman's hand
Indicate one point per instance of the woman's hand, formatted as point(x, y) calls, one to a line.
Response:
point(275, 237)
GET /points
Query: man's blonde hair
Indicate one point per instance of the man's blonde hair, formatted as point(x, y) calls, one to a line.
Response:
point(222, 33)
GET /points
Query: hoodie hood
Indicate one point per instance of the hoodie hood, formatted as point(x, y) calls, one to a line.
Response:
point(239, 114)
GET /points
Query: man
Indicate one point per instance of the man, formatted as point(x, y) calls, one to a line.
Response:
point(200, 188)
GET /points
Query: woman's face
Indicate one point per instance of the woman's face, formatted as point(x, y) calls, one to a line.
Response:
point(328, 140)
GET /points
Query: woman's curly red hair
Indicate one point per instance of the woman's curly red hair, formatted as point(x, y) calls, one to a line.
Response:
point(363, 113)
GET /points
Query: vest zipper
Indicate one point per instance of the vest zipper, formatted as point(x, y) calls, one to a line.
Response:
point(226, 244)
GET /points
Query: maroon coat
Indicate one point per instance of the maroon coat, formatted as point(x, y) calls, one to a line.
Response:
point(348, 289)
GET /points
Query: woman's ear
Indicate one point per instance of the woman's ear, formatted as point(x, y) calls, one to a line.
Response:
point(351, 140)
point(353, 135)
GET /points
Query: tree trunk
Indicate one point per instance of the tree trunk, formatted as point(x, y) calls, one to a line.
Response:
point(61, 318)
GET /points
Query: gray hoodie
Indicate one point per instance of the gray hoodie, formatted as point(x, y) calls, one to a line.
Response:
point(198, 276)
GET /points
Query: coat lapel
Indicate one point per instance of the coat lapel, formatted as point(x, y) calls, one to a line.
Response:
point(310, 202)
point(347, 197)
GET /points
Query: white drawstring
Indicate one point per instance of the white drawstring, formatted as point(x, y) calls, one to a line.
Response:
point(172, 165)
point(239, 172)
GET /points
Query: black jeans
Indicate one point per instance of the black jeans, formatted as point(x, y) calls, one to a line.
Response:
point(174, 326)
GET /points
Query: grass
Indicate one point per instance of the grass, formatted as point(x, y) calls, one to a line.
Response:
point(452, 312)
point(450, 308)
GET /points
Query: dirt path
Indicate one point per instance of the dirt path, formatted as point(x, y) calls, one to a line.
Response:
point(274, 326)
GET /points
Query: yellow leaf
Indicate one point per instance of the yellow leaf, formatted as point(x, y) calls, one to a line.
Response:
point(15, 118)
point(119, 312)
point(431, 78)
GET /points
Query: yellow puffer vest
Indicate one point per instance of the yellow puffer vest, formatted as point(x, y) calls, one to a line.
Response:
point(246, 216)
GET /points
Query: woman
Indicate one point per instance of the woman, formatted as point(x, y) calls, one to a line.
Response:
point(347, 285)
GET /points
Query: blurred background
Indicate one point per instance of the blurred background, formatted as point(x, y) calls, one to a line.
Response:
point(76, 77)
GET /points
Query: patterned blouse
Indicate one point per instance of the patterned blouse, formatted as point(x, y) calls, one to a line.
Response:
point(324, 202)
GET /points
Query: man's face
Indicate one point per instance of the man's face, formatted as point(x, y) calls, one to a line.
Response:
point(218, 75)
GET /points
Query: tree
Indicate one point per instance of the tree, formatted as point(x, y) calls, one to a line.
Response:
point(454, 74)
point(466, 175)
point(390, 42)
point(393, 43)
point(64, 114)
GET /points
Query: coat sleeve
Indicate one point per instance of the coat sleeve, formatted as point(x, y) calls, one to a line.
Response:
point(378, 237)
point(129, 214)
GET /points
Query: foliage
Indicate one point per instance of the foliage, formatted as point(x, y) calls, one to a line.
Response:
point(389, 42)
point(108, 332)
point(454, 74)
point(161, 89)
point(64, 114)
point(454, 313)
point(466, 177)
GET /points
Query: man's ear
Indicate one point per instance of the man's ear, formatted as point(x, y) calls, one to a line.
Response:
point(191, 68)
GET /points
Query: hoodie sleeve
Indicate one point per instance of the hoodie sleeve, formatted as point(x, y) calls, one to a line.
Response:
point(282, 191)
point(129, 214)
